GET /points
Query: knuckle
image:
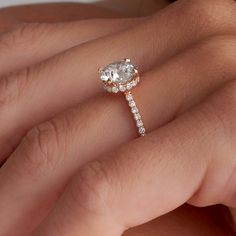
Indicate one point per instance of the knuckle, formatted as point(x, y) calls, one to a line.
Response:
point(230, 95)
point(13, 86)
point(42, 148)
point(219, 111)
point(206, 196)
point(219, 51)
point(210, 14)
point(226, 110)
point(91, 188)
point(5, 92)
point(213, 123)
point(218, 115)
point(24, 36)
point(224, 103)
point(214, 119)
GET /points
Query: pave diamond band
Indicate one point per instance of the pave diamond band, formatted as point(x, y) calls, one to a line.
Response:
point(122, 76)
point(136, 113)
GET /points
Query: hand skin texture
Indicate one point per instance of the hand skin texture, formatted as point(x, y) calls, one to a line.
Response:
point(11, 17)
point(74, 163)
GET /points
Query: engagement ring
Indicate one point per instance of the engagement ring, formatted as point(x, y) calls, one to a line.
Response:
point(122, 76)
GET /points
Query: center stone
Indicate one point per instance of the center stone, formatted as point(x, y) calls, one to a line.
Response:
point(118, 72)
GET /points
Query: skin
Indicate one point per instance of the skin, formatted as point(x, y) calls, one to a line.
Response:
point(52, 169)
point(51, 13)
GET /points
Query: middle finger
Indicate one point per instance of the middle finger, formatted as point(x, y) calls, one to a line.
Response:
point(28, 44)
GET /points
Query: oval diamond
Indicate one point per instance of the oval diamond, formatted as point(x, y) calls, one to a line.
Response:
point(118, 72)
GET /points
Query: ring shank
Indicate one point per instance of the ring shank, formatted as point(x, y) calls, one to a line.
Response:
point(136, 114)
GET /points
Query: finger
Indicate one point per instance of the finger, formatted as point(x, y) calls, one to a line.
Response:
point(39, 84)
point(190, 159)
point(29, 44)
point(59, 12)
point(51, 153)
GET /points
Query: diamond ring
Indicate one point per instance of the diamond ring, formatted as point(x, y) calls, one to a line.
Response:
point(122, 76)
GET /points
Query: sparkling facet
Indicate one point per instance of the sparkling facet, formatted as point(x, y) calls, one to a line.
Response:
point(137, 116)
point(139, 123)
point(132, 104)
point(129, 97)
point(134, 83)
point(141, 130)
point(118, 72)
point(129, 86)
point(134, 110)
point(115, 90)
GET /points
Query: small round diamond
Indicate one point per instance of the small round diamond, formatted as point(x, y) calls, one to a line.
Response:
point(115, 90)
point(122, 88)
point(129, 97)
point(134, 110)
point(132, 104)
point(137, 116)
point(139, 123)
point(129, 86)
point(141, 130)
point(134, 83)
point(108, 89)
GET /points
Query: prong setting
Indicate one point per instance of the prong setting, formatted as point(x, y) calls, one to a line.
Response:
point(100, 70)
point(122, 74)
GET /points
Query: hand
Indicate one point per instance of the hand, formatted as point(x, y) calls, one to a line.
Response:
point(188, 156)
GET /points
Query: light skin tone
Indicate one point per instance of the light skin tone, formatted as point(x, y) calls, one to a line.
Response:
point(11, 17)
point(77, 163)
